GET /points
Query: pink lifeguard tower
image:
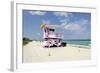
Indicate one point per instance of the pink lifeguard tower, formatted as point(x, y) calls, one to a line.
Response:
point(51, 37)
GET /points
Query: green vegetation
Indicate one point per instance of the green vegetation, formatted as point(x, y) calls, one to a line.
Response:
point(26, 41)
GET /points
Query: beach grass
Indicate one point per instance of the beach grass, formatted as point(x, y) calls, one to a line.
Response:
point(26, 41)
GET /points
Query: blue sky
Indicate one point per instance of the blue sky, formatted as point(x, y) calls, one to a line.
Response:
point(73, 25)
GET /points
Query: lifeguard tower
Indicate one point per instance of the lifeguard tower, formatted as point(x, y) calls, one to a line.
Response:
point(51, 37)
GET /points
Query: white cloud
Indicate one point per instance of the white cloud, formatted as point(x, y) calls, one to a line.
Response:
point(72, 27)
point(64, 25)
point(84, 21)
point(37, 12)
point(46, 22)
point(75, 25)
point(63, 14)
point(64, 20)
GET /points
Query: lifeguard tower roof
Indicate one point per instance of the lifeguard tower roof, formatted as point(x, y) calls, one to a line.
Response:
point(49, 32)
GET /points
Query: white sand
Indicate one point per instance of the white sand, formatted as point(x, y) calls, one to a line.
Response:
point(34, 52)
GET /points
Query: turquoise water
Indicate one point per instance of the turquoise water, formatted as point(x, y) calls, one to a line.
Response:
point(79, 42)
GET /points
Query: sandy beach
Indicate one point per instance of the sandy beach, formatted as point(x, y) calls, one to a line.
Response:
point(34, 52)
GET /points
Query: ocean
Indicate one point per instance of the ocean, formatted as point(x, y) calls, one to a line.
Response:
point(79, 43)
